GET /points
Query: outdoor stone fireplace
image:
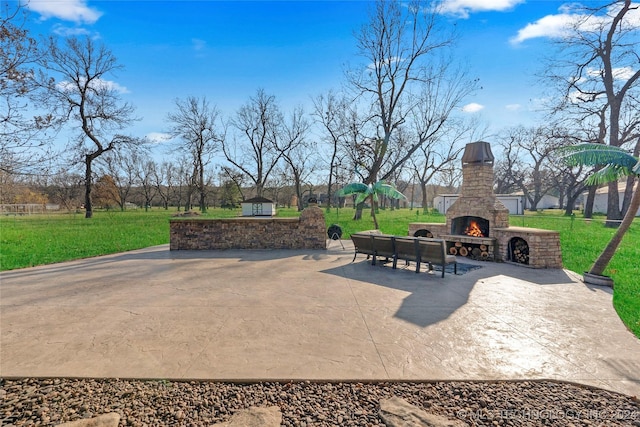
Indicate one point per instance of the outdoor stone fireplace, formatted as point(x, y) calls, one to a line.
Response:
point(477, 223)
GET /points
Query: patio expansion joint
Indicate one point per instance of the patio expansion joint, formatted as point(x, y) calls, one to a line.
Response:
point(206, 344)
point(364, 320)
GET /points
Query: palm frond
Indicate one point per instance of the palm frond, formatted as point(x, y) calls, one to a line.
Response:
point(353, 188)
point(596, 155)
point(608, 173)
point(361, 198)
point(388, 191)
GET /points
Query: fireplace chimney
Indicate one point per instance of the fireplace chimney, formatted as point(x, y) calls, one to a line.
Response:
point(477, 153)
point(477, 198)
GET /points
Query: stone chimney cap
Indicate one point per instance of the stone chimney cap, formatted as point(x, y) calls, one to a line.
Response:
point(477, 152)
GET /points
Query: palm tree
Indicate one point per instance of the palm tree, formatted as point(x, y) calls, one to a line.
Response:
point(615, 163)
point(365, 191)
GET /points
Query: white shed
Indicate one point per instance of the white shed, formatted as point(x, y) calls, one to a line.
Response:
point(443, 202)
point(601, 200)
point(258, 206)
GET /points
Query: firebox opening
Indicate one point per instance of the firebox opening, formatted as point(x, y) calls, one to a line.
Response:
point(473, 226)
point(423, 232)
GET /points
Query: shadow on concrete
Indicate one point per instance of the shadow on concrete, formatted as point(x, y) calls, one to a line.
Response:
point(431, 299)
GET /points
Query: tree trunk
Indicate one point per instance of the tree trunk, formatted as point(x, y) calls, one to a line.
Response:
point(607, 254)
point(87, 187)
point(373, 214)
point(571, 203)
point(425, 201)
point(358, 214)
point(588, 204)
point(613, 206)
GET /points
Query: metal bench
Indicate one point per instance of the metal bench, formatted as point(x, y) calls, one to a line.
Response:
point(434, 251)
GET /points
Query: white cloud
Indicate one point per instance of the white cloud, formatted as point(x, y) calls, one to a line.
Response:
point(158, 137)
point(96, 84)
point(389, 61)
point(570, 16)
point(462, 8)
point(550, 26)
point(63, 31)
point(68, 10)
point(623, 73)
point(472, 107)
point(513, 107)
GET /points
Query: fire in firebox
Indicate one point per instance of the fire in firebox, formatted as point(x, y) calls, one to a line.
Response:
point(473, 229)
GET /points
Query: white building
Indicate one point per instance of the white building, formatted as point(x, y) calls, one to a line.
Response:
point(258, 206)
point(443, 202)
point(601, 200)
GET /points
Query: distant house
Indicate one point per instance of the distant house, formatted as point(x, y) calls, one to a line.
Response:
point(547, 202)
point(601, 200)
point(443, 202)
point(258, 206)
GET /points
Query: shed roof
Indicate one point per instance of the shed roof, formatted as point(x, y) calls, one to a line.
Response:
point(258, 200)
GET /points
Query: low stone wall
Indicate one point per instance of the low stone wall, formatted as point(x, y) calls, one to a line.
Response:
point(306, 232)
point(544, 245)
point(436, 229)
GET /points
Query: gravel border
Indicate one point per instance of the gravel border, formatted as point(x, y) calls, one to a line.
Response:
point(48, 402)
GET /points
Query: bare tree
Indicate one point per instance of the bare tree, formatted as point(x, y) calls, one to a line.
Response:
point(122, 168)
point(258, 144)
point(330, 112)
point(437, 155)
point(65, 188)
point(229, 175)
point(198, 125)
point(145, 173)
point(78, 94)
point(164, 181)
point(184, 183)
point(596, 72)
point(301, 156)
point(407, 77)
point(527, 151)
point(23, 142)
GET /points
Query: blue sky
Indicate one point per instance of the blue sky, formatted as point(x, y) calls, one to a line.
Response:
point(293, 49)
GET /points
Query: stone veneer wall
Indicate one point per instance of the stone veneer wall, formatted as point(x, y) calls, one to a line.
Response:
point(477, 198)
point(544, 245)
point(306, 232)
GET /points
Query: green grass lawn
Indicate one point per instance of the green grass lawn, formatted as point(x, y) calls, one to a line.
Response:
point(27, 241)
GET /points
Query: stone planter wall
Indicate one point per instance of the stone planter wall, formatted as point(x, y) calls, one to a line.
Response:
point(306, 232)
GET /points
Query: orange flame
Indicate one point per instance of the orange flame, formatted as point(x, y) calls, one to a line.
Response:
point(473, 230)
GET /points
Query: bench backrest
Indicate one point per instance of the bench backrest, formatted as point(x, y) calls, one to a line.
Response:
point(363, 243)
point(383, 245)
point(432, 249)
point(407, 248)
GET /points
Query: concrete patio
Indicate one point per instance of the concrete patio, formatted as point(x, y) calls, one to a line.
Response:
point(289, 314)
